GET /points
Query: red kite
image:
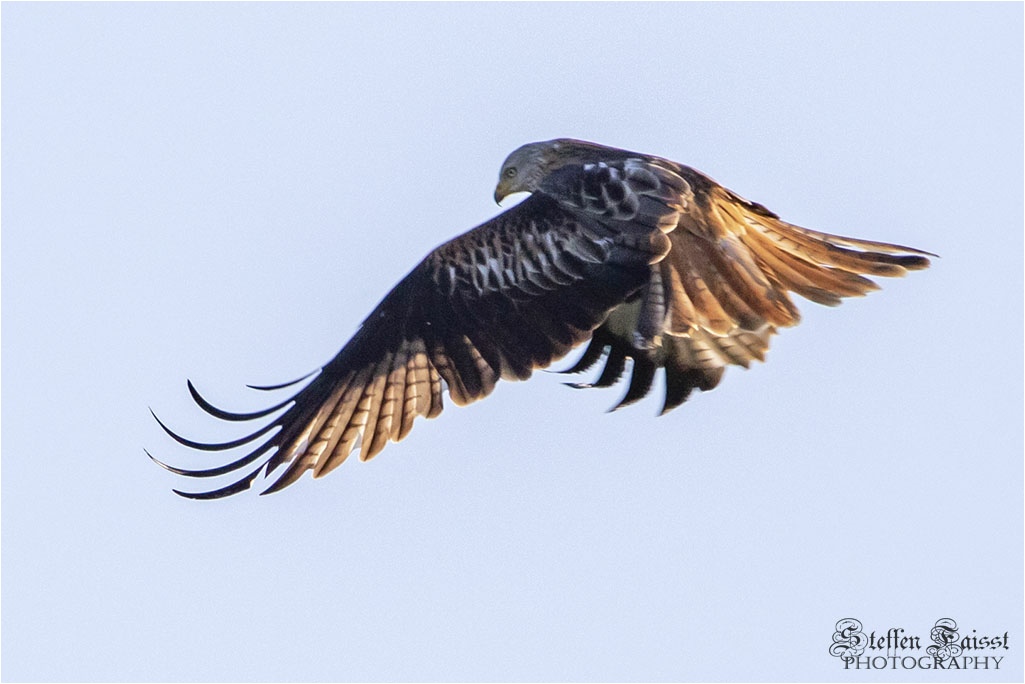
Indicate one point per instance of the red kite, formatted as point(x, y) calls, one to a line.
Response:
point(643, 258)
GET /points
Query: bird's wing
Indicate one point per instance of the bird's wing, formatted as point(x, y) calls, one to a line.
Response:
point(723, 289)
point(509, 296)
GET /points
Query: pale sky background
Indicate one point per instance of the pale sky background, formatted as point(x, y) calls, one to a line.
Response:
point(223, 192)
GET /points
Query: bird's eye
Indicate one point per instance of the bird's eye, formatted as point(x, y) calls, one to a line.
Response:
point(510, 172)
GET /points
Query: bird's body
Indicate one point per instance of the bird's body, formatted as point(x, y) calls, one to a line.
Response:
point(645, 259)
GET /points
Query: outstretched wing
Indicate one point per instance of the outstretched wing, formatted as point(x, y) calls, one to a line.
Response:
point(510, 296)
point(724, 289)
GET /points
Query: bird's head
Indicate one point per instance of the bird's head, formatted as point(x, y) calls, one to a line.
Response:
point(527, 166)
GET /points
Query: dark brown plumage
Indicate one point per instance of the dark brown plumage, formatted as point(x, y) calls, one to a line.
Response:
point(645, 259)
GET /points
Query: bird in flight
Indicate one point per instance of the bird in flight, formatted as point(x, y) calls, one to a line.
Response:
point(640, 257)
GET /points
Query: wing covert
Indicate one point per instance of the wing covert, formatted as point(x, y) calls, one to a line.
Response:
point(724, 289)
